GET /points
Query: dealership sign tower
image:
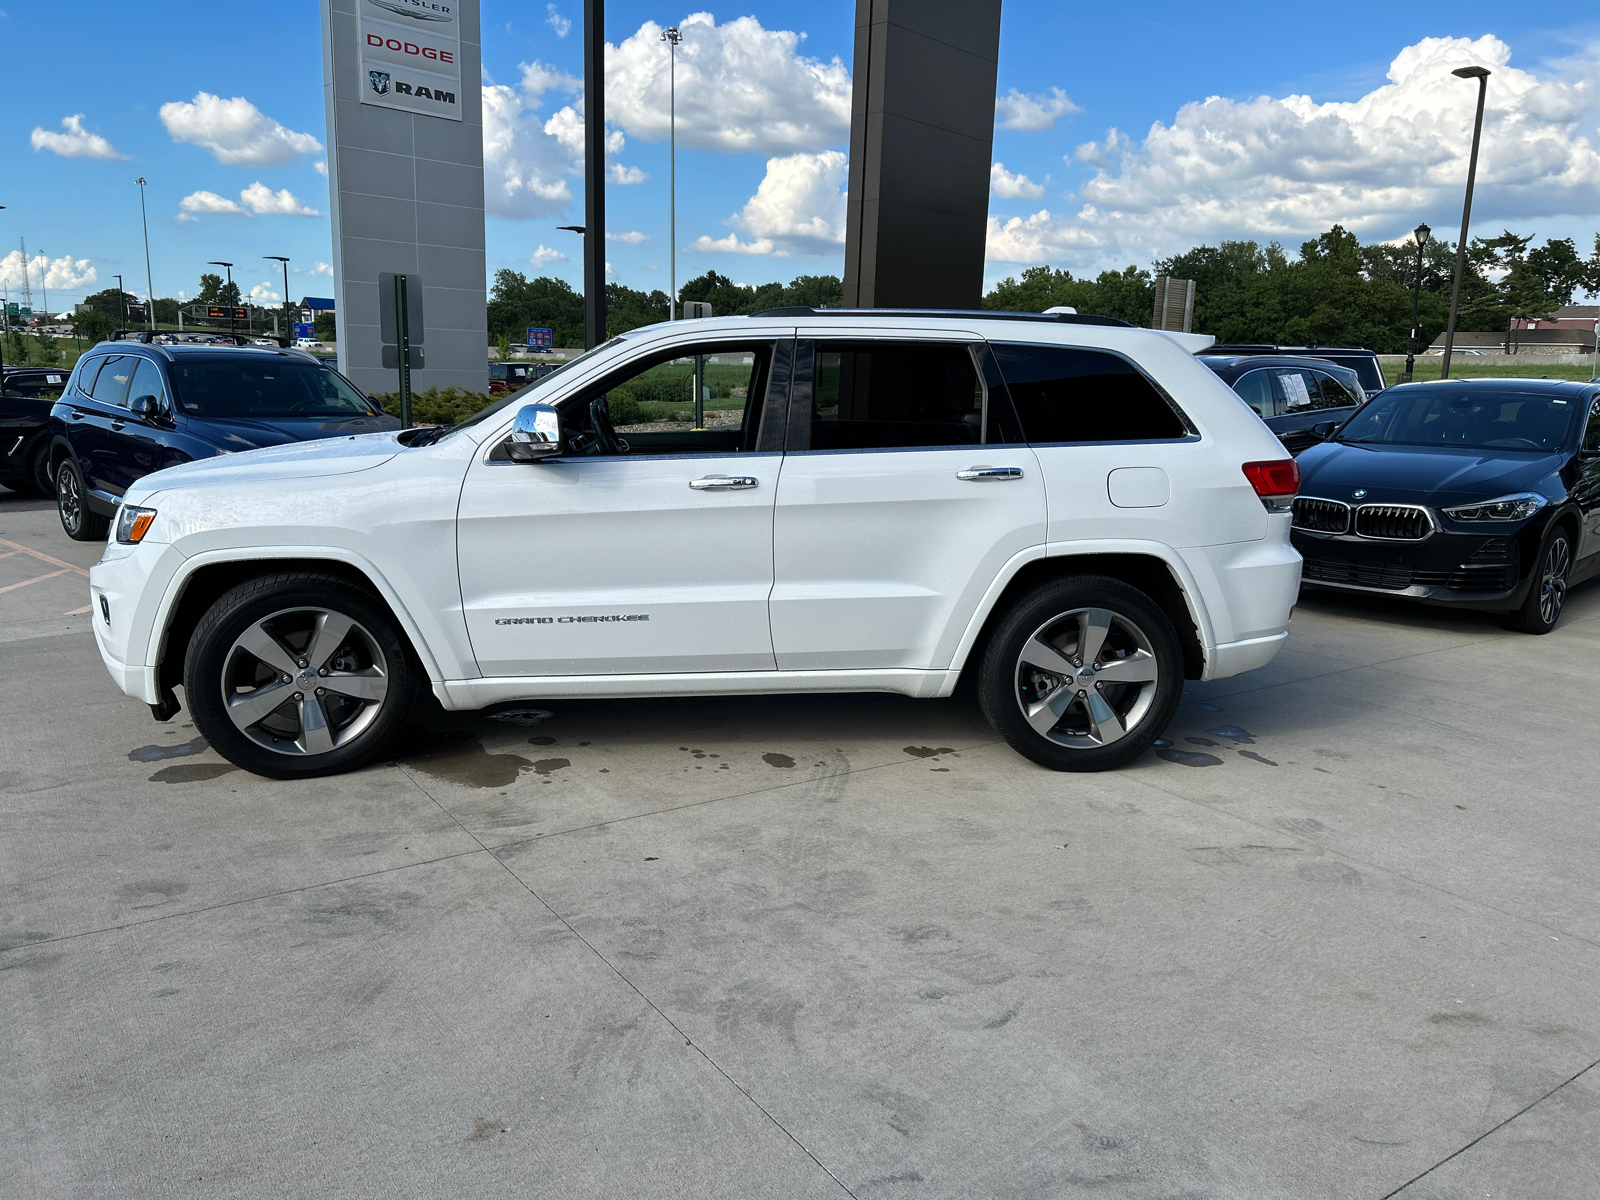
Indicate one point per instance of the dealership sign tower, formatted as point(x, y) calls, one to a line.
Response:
point(405, 180)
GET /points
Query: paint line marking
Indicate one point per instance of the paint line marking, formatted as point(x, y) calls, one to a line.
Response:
point(10, 554)
point(54, 562)
point(79, 612)
point(11, 587)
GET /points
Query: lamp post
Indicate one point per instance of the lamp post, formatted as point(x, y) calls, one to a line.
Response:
point(581, 231)
point(1481, 74)
point(289, 325)
point(672, 37)
point(1421, 233)
point(122, 303)
point(219, 263)
point(149, 287)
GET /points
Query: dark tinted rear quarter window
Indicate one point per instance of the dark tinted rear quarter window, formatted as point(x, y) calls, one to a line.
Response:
point(1068, 395)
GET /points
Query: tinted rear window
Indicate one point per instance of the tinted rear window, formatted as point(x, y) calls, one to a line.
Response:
point(1069, 395)
point(264, 387)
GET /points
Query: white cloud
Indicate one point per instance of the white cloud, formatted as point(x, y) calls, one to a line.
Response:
point(261, 199)
point(76, 142)
point(320, 268)
point(556, 21)
point(800, 203)
point(1289, 168)
point(235, 130)
point(732, 245)
point(544, 256)
point(208, 204)
point(1020, 110)
point(64, 274)
point(633, 237)
point(1014, 187)
point(740, 87)
point(617, 173)
point(321, 168)
point(264, 294)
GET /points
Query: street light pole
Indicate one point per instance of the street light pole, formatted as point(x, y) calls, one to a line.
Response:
point(1481, 74)
point(1421, 234)
point(122, 303)
point(288, 325)
point(672, 37)
point(149, 286)
point(219, 263)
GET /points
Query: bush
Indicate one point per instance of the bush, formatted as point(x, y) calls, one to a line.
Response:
point(436, 406)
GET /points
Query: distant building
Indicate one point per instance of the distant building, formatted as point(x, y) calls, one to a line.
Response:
point(1576, 339)
point(312, 307)
point(1573, 316)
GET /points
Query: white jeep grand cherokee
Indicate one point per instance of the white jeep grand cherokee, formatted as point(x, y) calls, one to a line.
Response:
point(1071, 509)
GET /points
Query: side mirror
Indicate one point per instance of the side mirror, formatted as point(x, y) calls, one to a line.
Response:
point(1325, 429)
point(146, 408)
point(536, 434)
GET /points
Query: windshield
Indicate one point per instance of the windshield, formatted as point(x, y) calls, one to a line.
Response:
point(264, 387)
point(527, 395)
point(1470, 418)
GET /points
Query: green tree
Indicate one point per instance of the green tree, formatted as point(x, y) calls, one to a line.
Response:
point(94, 325)
point(516, 303)
point(325, 328)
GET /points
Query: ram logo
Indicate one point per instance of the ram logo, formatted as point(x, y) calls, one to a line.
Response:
point(380, 82)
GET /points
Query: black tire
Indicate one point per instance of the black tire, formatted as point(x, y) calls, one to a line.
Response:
point(72, 505)
point(1061, 619)
point(321, 726)
point(1547, 592)
point(39, 470)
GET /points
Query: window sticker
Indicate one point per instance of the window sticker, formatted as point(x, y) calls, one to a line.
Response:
point(1294, 386)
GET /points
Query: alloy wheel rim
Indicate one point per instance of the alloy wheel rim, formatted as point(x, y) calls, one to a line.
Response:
point(1553, 580)
point(1086, 678)
point(71, 503)
point(304, 681)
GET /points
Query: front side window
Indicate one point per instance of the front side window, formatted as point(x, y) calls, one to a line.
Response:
point(1591, 432)
point(703, 399)
point(264, 387)
point(1064, 394)
point(895, 395)
point(111, 384)
point(1472, 418)
point(147, 382)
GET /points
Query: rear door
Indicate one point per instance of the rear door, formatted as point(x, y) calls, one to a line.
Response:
point(91, 419)
point(905, 489)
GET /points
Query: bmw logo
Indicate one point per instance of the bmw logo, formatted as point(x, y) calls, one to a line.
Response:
point(1359, 494)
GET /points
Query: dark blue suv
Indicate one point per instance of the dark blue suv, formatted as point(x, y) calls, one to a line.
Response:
point(131, 408)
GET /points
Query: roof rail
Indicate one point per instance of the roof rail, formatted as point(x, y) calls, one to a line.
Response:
point(983, 314)
point(146, 336)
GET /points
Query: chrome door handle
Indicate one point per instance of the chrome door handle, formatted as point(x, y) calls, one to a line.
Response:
point(77, 414)
point(724, 483)
point(989, 474)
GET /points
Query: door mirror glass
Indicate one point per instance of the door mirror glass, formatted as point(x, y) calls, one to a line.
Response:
point(536, 434)
point(1325, 428)
point(146, 408)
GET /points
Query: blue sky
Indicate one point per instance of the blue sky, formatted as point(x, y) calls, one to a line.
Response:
point(1378, 140)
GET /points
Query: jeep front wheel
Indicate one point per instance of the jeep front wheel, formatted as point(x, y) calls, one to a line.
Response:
point(297, 675)
point(1082, 674)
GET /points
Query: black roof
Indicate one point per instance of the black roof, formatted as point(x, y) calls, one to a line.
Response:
point(981, 314)
point(1243, 348)
point(1230, 365)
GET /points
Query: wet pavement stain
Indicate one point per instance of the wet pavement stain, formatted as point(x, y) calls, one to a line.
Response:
point(545, 765)
point(1254, 757)
point(523, 716)
point(1234, 734)
point(1189, 758)
point(469, 764)
point(145, 754)
point(192, 772)
point(778, 760)
point(541, 741)
point(1210, 708)
point(1199, 741)
point(928, 751)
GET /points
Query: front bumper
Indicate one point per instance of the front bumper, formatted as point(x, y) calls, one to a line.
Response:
point(1474, 570)
point(125, 590)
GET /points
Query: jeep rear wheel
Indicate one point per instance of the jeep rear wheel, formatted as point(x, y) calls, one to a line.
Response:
point(1082, 674)
point(297, 675)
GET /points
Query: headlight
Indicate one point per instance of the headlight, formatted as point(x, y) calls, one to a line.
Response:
point(133, 524)
point(1517, 507)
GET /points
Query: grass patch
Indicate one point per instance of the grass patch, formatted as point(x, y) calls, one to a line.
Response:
point(1465, 368)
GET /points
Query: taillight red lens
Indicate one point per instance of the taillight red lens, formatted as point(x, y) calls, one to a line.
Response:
point(1279, 477)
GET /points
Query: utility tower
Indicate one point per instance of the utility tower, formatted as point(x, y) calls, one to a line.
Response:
point(27, 292)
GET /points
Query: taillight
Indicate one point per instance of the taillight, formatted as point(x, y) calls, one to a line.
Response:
point(1275, 481)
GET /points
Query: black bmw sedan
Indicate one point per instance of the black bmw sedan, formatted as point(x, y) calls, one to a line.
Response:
point(1483, 493)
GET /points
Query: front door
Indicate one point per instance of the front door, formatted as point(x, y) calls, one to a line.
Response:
point(136, 446)
point(905, 491)
point(647, 548)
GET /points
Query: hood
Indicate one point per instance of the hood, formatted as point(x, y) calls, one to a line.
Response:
point(1430, 475)
point(297, 460)
point(236, 434)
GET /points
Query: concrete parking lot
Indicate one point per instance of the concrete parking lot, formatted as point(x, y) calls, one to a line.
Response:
point(1342, 938)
